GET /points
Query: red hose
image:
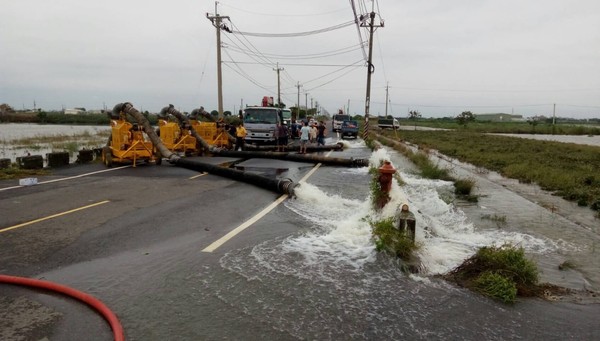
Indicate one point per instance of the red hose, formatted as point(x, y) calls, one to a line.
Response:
point(110, 317)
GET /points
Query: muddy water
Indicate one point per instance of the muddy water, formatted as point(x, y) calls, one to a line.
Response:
point(11, 133)
point(589, 140)
point(328, 282)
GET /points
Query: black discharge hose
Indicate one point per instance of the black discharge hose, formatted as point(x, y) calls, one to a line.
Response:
point(283, 186)
point(324, 148)
point(331, 161)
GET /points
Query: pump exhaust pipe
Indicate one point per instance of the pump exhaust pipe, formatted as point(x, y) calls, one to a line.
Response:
point(183, 119)
point(332, 161)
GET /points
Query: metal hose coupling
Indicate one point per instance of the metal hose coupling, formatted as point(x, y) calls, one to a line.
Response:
point(287, 186)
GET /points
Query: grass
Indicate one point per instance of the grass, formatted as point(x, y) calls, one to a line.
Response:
point(498, 272)
point(567, 170)
point(497, 218)
point(17, 173)
point(392, 241)
point(562, 128)
point(429, 170)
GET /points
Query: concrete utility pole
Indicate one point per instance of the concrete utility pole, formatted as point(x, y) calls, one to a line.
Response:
point(387, 86)
point(370, 69)
point(278, 69)
point(306, 102)
point(298, 105)
point(216, 21)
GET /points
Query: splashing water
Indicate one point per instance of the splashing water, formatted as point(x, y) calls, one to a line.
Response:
point(342, 236)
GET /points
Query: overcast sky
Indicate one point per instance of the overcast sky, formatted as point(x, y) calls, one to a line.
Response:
point(439, 57)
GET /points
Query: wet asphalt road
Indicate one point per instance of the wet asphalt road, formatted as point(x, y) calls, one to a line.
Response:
point(141, 253)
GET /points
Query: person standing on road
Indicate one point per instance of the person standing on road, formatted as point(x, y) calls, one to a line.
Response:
point(240, 136)
point(321, 134)
point(285, 133)
point(304, 135)
point(276, 135)
point(313, 133)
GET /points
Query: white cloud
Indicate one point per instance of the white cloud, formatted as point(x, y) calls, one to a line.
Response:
point(440, 57)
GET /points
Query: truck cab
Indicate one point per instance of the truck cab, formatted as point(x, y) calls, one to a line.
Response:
point(260, 124)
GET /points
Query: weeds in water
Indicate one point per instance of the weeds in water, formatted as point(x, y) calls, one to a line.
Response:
point(500, 219)
point(392, 241)
point(491, 270)
point(566, 265)
point(463, 186)
point(497, 286)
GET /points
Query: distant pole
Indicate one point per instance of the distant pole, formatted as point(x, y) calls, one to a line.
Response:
point(278, 84)
point(298, 103)
point(387, 85)
point(306, 101)
point(554, 118)
point(216, 21)
point(348, 108)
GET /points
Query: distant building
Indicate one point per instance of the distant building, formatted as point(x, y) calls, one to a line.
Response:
point(75, 111)
point(499, 117)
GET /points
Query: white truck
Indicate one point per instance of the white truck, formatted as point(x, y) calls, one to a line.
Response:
point(388, 123)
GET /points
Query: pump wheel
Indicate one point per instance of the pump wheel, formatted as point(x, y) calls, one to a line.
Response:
point(107, 156)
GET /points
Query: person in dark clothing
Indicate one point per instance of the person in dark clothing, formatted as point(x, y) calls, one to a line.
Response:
point(321, 134)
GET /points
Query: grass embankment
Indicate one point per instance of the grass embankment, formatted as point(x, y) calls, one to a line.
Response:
point(430, 170)
point(568, 170)
point(511, 127)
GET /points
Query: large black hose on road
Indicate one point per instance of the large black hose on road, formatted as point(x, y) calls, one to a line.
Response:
point(283, 186)
point(331, 161)
point(309, 148)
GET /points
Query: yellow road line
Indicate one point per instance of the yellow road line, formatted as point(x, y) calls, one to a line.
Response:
point(216, 244)
point(53, 216)
point(197, 176)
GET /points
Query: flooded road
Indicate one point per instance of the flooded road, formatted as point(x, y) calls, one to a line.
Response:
point(308, 269)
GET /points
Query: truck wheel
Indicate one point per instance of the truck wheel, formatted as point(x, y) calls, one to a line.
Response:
point(107, 156)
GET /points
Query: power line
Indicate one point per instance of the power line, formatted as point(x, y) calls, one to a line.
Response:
point(307, 56)
point(303, 64)
point(357, 22)
point(297, 34)
point(285, 15)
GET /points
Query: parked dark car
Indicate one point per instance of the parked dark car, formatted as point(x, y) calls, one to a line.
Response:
point(349, 128)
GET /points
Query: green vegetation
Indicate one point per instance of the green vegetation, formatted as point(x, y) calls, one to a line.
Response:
point(498, 272)
point(563, 127)
point(566, 265)
point(567, 170)
point(16, 173)
point(392, 241)
point(430, 170)
point(500, 219)
point(377, 195)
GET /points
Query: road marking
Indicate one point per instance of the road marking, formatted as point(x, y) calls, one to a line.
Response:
point(53, 216)
point(197, 176)
point(69, 178)
point(216, 244)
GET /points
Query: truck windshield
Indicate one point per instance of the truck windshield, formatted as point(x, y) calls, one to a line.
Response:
point(266, 116)
point(341, 117)
point(287, 115)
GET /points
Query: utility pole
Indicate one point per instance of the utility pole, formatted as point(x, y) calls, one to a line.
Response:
point(370, 68)
point(216, 21)
point(306, 102)
point(387, 86)
point(298, 103)
point(348, 108)
point(278, 84)
point(553, 118)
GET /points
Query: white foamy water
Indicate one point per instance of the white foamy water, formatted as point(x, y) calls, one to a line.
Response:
point(341, 235)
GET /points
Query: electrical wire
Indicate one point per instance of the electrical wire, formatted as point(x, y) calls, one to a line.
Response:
point(357, 22)
point(331, 53)
point(297, 34)
point(284, 15)
point(332, 80)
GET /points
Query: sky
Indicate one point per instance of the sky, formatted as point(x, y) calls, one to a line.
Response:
point(438, 57)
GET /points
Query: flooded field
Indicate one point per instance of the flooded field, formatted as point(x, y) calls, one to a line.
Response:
point(20, 139)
